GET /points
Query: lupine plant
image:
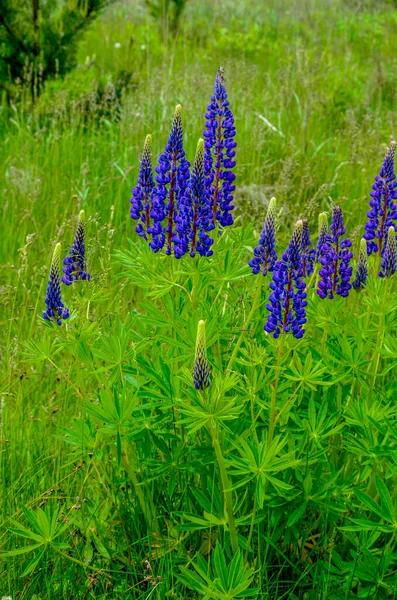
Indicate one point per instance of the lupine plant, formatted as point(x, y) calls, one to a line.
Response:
point(220, 152)
point(75, 264)
point(55, 309)
point(287, 301)
point(172, 176)
point(308, 252)
point(141, 201)
point(265, 254)
point(335, 257)
point(383, 212)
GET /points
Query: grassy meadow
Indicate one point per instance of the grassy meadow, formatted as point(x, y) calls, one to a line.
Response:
point(118, 478)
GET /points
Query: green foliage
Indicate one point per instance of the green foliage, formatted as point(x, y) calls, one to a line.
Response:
point(119, 479)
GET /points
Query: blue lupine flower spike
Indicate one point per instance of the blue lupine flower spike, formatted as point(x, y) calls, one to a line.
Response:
point(142, 192)
point(75, 266)
point(287, 301)
point(220, 152)
point(201, 369)
point(308, 252)
point(265, 254)
point(388, 265)
point(361, 278)
point(172, 177)
point(383, 212)
point(194, 219)
point(322, 234)
point(335, 257)
point(55, 310)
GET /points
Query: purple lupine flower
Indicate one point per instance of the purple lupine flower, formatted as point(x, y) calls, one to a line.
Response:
point(287, 300)
point(388, 266)
point(335, 272)
point(308, 252)
point(141, 193)
point(219, 153)
point(361, 278)
point(55, 310)
point(201, 368)
point(172, 179)
point(194, 218)
point(322, 234)
point(383, 213)
point(75, 267)
point(265, 254)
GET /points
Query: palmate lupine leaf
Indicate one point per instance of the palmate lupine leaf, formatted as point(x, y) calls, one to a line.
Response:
point(308, 373)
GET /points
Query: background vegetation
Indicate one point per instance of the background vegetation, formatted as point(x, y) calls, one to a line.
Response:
point(125, 489)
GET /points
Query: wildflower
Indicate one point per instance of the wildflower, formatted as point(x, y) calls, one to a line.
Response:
point(55, 307)
point(335, 260)
point(287, 300)
point(201, 369)
point(172, 179)
point(322, 234)
point(75, 267)
point(388, 266)
point(383, 211)
point(308, 253)
point(219, 153)
point(362, 268)
point(141, 193)
point(194, 218)
point(265, 254)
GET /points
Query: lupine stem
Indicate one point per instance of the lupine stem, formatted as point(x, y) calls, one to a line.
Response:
point(273, 404)
point(248, 320)
point(228, 494)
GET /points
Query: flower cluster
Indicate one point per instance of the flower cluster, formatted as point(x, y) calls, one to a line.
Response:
point(335, 257)
point(383, 212)
point(172, 176)
point(75, 267)
point(219, 156)
point(141, 193)
point(201, 368)
point(56, 309)
point(287, 300)
point(388, 266)
point(360, 280)
point(194, 219)
point(308, 252)
point(265, 254)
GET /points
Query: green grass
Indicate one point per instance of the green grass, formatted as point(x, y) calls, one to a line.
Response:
point(323, 73)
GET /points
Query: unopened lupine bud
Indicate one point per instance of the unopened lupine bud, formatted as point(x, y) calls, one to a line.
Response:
point(265, 254)
point(322, 233)
point(55, 310)
point(388, 265)
point(75, 267)
point(201, 369)
point(361, 278)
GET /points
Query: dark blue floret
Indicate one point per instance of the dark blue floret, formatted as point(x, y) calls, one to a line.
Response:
point(287, 300)
point(383, 212)
point(220, 153)
point(55, 308)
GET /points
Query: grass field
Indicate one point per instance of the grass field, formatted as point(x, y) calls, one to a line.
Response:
point(119, 479)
